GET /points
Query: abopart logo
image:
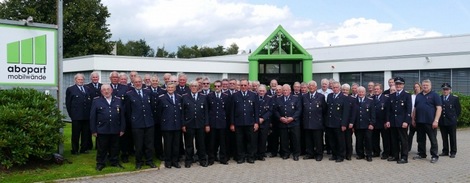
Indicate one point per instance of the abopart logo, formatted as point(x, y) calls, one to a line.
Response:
point(29, 58)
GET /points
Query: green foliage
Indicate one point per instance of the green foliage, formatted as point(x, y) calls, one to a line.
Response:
point(29, 126)
point(464, 119)
point(135, 48)
point(205, 51)
point(85, 28)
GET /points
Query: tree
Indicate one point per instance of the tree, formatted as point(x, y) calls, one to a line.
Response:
point(134, 48)
point(85, 28)
point(161, 52)
point(233, 49)
point(188, 52)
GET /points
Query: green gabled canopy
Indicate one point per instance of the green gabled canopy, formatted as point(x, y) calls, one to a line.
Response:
point(278, 46)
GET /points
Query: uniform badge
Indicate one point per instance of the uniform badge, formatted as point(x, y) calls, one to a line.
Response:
point(202, 106)
point(117, 108)
point(292, 107)
point(402, 104)
point(318, 106)
point(337, 108)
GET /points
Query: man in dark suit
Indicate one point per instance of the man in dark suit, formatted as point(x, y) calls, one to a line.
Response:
point(287, 110)
point(95, 91)
point(313, 112)
point(381, 116)
point(273, 137)
point(166, 80)
point(125, 141)
point(182, 87)
point(272, 91)
point(107, 125)
point(245, 122)
point(156, 91)
point(206, 86)
point(346, 89)
point(337, 122)
point(195, 116)
point(265, 114)
point(400, 118)
point(169, 114)
point(218, 103)
point(78, 103)
point(363, 125)
point(139, 112)
point(448, 123)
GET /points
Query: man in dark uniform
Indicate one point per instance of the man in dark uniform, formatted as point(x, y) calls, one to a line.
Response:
point(125, 141)
point(107, 125)
point(166, 80)
point(78, 103)
point(195, 124)
point(288, 109)
point(336, 122)
point(273, 137)
point(400, 118)
point(169, 113)
point(272, 91)
point(156, 91)
point(381, 116)
point(231, 140)
point(218, 103)
point(427, 111)
point(139, 112)
point(182, 87)
point(345, 89)
point(391, 83)
point(245, 122)
point(206, 84)
point(95, 91)
point(448, 123)
point(265, 114)
point(363, 124)
point(313, 112)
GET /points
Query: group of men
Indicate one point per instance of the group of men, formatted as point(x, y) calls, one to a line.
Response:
point(247, 121)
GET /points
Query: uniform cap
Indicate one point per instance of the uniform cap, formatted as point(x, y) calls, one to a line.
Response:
point(399, 80)
point(446, 86)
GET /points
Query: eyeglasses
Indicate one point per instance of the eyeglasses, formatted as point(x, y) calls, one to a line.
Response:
point(205, 83)
point(217, 86)
point(243, 85)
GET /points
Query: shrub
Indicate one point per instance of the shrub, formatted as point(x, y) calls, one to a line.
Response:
point(29, 126)
point(464, 119)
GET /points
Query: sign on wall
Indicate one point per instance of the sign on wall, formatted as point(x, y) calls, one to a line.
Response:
point(28, 56)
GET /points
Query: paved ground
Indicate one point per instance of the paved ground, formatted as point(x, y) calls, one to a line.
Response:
point(278, 170)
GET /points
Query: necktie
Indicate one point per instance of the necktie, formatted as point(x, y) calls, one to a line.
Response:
point(172, 99)
point(82, 89)
point(336, 96)
point(194, 96)
point(398, 94)
point(114, 87)
point(140, 94)
point(285, 98)
point(260, 98)
point(377, 97)
point(447, 98)
point(96, 85)
point(218, 95)
point(244, 94)
point(362, 100)
point(311, 96)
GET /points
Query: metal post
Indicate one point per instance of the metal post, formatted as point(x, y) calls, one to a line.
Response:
point(60, 24)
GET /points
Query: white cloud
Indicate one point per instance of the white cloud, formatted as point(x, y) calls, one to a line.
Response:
point(221, 22)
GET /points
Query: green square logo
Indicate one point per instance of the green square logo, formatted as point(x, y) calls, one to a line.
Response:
point(28, 51)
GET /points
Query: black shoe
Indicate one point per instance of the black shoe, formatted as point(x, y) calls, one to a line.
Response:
point(369, 159)
point(348, 158)
point(328, 151)
point(434, 160)
point(402, 161)
point(360, 157)
point(167, 165)
point(308, 157)
point(418, 157)
point(452, 156)
point(118, 165)
point(224, 162)
point(383, 157)
point(138, 166)
point(209, 163)
point(240, 161)
point(187, 165)
point(285, 157)
point(444, 154)
point(151, 165)
point(251, 161)
point(203, 163)
point(176, 165)
point(261, 158)
point(272, 155)
point(99, 167)
point(319, 158)
point(296, 158)
point(339, 160)
point(392, 159)
point(333, 158)
point(376, 155)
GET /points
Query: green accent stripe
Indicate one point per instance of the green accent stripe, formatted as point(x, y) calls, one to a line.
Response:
point(13, 52)
point(27, 51)
point(40, 54)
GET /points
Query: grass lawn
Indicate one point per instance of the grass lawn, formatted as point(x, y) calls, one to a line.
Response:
point(82, 165)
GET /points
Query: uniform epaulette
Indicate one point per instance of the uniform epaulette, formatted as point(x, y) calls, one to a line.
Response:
point(223, 93)
point(129, 91)
point(387, 95)
point(96, 97)
point(184, 94)
point(295, 95)
point(269, 96)
point(162, 95)
point(177, 94)
point(407, 92)
point(117, 97)
point(202, 94)
point(370, 98)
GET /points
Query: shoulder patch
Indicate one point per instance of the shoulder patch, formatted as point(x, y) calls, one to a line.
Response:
point(96, 97)
point(129, 91)
point(184, 94)
point(387, 95)
point(177, 94)
point(162, 95)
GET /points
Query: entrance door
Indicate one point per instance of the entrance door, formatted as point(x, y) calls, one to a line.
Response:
point(285, 72)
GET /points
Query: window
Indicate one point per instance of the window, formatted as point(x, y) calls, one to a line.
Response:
point(437, 77)
point(460, 81)
point(287, 68)
point(410, 78)
point(350, 78)
point(376, 77)
point(317, 77)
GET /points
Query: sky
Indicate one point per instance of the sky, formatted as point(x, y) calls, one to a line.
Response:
point(312, 23)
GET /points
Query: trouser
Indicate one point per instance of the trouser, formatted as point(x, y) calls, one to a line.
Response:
point(399, 139)
point(143, 142)
point(363, 141)
point(217, 139)
point(246, 147)
point(158, 143)
point(273, 140)
point(314, 142)
point(385, 133)
point(348, 142)
point(449, 133)
point(126, 144)
point(171, 146)
point(81, 135)
point(411, 134)
point(231, 142)
point(423, 130)
point(108, 146)
point(290, 135)
point(337, 142)
point(191, 135)
point(262, 139)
